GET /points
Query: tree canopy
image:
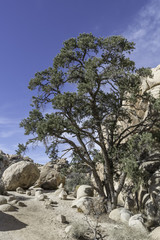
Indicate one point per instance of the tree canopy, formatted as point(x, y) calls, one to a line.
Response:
point(92, 88)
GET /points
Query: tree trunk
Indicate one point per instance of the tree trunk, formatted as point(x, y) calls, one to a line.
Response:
point(98, 183)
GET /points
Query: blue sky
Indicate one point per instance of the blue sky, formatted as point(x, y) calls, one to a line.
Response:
point(32, 33)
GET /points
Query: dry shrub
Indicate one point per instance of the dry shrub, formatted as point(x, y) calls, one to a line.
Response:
point(78, 231)
point(96, 207)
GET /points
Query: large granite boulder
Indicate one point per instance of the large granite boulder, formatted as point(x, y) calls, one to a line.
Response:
point(50, 178)
point(21, 174)
point(7, 160)
point(137, 223)
point(120, 215)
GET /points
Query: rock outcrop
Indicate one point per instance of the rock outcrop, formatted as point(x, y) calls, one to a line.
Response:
point(147, 198)
point(50, 178)
point(21, 174)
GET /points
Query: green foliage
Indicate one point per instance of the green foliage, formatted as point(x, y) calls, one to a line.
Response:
point(79, 174)
point(75, 179)
point(21, 149)
point(90, 81)
point(134, 152)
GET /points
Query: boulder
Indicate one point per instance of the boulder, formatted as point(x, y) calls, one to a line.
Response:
point(137, 222)
point(85, 191)
point(89, 205)
point(125, 215)
point(115, 214)
point(7, 160)
point(155, 234)
point(21, 174)
point(120, 215)
point(50, 178)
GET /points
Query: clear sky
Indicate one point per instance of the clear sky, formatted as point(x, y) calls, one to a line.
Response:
point(32, 33)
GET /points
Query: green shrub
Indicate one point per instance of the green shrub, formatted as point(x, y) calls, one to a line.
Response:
point(76, 179)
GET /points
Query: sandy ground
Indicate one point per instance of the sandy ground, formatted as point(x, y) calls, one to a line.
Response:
point(36, 222)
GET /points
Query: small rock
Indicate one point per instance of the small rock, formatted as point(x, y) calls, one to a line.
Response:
point(47, 206)
point(28, 192)
point(38, 193)
point(21, 204)
point(11, 198)
point(61, 219)
point(40, 197)
point(7, 208)
point(3, 200)
point(68, 229)
point(58, 191)
point(13, 202)
point(20, 190)
point(61, 186)
point(32, 193)
point(63, 195)
point(115, 214)
point(48, 202)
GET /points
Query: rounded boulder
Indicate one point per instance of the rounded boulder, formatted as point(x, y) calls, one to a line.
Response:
point(85, 191)
point(21, 174)
point(50, 178)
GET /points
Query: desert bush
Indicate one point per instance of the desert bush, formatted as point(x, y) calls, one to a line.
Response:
point(75, 179)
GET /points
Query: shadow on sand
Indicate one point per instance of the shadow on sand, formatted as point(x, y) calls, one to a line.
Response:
point(10, 223)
